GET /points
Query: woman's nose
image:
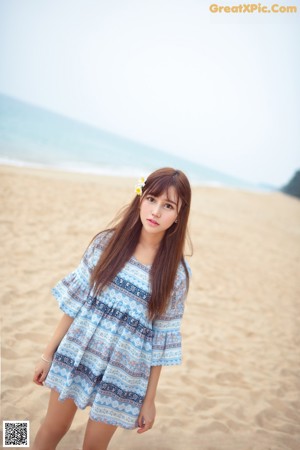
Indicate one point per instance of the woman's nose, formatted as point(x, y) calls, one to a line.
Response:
point(156, 210)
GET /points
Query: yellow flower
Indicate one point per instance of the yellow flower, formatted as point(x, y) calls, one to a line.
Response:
point(138, 190)
point(139, 186)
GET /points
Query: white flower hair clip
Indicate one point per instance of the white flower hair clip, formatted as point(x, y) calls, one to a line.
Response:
point(139, 186)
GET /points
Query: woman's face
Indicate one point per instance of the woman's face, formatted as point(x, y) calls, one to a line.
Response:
point(157, 214)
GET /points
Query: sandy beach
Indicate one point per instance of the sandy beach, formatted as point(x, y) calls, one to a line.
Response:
point(239, 386)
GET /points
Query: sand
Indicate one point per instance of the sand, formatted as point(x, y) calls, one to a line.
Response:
point(238, 387)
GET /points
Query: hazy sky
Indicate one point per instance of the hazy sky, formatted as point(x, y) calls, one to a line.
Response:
point(220, 89)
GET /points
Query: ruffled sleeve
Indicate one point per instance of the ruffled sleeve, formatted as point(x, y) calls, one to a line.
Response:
point(166, 343)
point(73, 290)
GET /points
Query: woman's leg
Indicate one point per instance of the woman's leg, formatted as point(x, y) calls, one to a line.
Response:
point(57, 422)
point(97, 435)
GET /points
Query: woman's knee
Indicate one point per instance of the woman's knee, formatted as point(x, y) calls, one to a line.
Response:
point(97, 435)
point(56, 428)
point(48, 436)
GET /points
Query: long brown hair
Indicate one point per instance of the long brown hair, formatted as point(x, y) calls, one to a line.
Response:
point(126, 235)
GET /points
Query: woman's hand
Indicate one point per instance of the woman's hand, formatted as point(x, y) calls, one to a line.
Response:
point(43, 366)
point(41, 371)
point(146, 417)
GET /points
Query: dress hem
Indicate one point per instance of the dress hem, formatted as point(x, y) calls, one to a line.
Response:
point(70, 397)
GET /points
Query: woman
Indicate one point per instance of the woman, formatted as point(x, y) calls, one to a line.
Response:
point(122, 307)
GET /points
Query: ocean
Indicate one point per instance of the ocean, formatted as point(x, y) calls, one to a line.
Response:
point(35, 137)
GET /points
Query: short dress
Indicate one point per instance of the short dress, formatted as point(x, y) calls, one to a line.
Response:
point(104, 359)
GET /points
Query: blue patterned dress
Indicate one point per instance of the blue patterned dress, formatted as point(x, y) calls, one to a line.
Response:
point(105, 357)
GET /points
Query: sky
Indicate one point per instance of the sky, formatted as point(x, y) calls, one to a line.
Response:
point(220, 89)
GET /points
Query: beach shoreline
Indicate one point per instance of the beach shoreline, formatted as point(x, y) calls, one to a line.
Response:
point(62, 172)
point(238, 387)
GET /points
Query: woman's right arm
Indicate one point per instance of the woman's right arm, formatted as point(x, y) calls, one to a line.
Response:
point(42, 368)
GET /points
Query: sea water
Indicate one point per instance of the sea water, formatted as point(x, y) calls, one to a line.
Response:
point(33, 136)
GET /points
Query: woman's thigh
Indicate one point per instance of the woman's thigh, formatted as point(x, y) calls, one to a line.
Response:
point(97, 435)
point(57, 422)
point(60, 413)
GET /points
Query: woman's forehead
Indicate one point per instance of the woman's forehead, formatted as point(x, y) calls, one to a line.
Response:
point(169, 194)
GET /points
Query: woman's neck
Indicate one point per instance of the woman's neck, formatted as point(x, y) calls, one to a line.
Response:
point(151, 241)
point(147, 247)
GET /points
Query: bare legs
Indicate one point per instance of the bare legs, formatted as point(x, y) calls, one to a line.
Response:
point(58, 421)
point(97, 435)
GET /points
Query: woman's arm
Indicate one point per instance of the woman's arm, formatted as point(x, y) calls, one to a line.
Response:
point(147, 413)
point(42, 367)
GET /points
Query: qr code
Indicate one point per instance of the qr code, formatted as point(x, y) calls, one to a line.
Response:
point(15, 433)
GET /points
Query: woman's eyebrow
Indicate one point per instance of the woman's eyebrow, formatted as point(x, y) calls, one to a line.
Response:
point(166, 199)
point(170, 201)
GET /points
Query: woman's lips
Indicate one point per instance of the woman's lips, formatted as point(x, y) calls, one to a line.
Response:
point(153, 222)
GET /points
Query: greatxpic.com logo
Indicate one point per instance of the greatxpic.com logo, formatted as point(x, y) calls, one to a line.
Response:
point(251, 8)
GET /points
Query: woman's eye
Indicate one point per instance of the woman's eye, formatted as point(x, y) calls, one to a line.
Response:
point(150, 199)
point(169, 206)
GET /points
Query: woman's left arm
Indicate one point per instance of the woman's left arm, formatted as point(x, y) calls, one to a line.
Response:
point(148, 411)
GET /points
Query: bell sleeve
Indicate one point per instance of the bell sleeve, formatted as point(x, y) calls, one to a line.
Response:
point(73, 290)
point(166, 343)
